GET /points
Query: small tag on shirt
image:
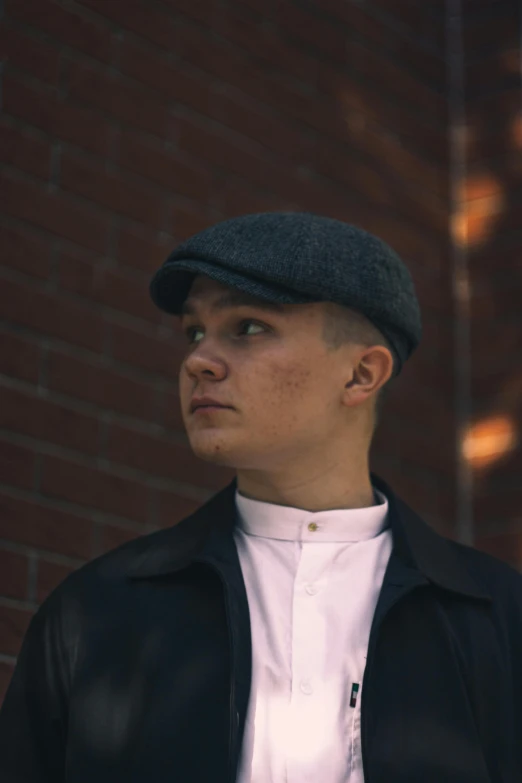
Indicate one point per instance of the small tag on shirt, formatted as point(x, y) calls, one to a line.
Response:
point(355, 690)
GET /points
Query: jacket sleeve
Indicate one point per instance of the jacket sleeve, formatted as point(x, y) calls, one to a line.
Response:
point(33, 716)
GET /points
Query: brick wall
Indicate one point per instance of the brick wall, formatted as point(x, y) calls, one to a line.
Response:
point(127, 126)
point(492, 208)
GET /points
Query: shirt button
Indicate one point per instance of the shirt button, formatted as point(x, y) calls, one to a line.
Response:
point(311, 589)
point(306, 687)
point(312, 526)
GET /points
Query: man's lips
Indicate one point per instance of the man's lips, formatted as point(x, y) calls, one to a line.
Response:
point(210, 408)
point(205, 400)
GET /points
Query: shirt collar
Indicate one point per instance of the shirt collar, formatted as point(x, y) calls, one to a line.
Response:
point(287, 523)
point(416, 545)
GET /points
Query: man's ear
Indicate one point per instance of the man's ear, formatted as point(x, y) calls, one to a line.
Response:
point(373, 369)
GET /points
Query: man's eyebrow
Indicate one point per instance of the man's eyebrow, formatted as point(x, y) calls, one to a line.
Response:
point(233, 299)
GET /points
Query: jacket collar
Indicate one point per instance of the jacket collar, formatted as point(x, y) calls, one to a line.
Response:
point(417, 546)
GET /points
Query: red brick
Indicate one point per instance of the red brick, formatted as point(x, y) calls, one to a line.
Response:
point(13, 626)
point(115, 288)
point(119, 98)
point(188, 222)
point(148, 157)
point(430, 498)
point(6, 673)
point(409, 442)
point(40, 418)
point(430, 407)
point(14, 570)
point(153, 354)
point(264, 43)
point(78, 125)
point(362, 102)
point(102, 386)
point(127, 293)
point(50, 575)
point(317, 34)
point(376, 33)
point(138, 16)
point(170, 410)
point(173, 508)
point(390, 154)
point(419, 22)
point(195, 9)
point(112, 191)
point(42, 525)
point(286, 138)
point(226, 153)
point(495, 342)
point(173, 82)
point(143, 250)
point(368, 179)
point(37, 58)
point(20, 357)
point(376, 76)
point(78, 272)
point(409, 242)
point(224, 63)
point(495, 386)
point(53, 212)
point(424, 375)
point(503, 259)
point(236, 196)
point(24, 151)
point(159, 457)
point(94, 489)
point(506, 547)
point(52, 314)
point(17, 465)
point(113, 537)
point(257, 7)
point(497, 299)
point(69, 27)
point(23, 249)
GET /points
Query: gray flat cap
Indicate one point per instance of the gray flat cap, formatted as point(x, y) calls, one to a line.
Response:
point(299, 257)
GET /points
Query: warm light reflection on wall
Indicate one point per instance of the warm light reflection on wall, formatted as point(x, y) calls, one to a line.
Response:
point(480, 201)
point(489, 440)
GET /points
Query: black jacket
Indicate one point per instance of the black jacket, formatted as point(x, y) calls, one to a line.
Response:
point(137, 667)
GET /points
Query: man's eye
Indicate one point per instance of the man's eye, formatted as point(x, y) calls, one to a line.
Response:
point(189, 332)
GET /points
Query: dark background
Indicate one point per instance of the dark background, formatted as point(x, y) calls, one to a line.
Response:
point(128, 125)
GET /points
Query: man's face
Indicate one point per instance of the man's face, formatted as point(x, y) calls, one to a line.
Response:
point(272, 367)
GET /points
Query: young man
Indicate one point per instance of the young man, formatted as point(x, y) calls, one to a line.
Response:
point(304, 624)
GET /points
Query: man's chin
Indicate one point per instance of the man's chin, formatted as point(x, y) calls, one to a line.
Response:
point(215, 453)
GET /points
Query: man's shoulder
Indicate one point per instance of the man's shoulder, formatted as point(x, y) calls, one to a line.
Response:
point(501, 580)
point(105, 575)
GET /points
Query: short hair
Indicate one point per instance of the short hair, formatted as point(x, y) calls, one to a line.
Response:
point(341, 326)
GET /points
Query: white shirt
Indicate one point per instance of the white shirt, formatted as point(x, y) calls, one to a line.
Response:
point(312, 594)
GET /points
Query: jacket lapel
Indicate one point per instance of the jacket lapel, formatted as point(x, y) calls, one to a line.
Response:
point(420, 553)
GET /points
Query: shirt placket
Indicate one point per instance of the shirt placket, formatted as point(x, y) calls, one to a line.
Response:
point(308, 636)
